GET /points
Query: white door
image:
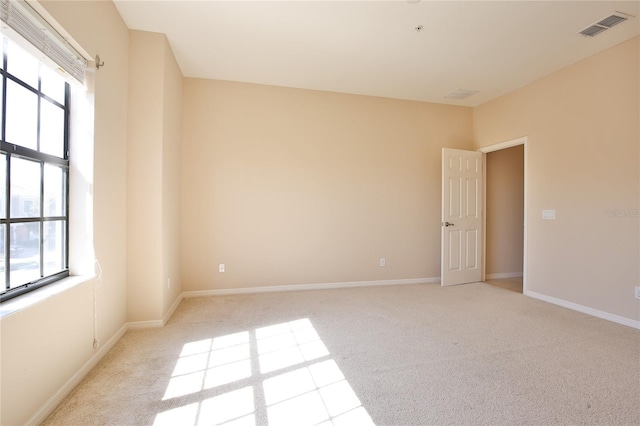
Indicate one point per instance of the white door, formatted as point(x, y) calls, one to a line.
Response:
point(461, 216)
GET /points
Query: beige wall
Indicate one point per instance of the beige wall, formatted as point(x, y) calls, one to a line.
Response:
point(505, 211)
point(153, 177)
point(144, 176)
point(171, 178)
point(582, 160)
point(288, 186)
point(44, 346)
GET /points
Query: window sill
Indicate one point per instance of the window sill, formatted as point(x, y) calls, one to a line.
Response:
point(25, 301)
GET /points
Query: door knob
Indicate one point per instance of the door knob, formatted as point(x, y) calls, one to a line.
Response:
point(448, 224)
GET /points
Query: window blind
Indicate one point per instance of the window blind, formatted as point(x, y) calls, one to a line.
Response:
point(24, 20)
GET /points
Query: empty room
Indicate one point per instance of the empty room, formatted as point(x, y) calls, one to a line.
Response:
point(403, 212)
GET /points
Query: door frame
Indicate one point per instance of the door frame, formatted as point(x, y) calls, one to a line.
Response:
point(497, 147)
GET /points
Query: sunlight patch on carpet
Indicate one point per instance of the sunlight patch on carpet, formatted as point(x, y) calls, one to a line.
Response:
point(208, 363)
point(287, 344)
point(312, 390)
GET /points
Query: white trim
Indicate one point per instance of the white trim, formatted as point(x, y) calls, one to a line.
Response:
point(53, 402)
point(145, 324)
point(525, 237)
point(503, 275)
point(585, 309)
point(172, 309)
point(524, 140)
point(503, 145)
point(157, 323)
point(299, 287)
point(483, 272)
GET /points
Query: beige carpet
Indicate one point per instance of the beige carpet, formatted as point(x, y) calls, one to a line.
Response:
point(513, 284)
point(397, 355)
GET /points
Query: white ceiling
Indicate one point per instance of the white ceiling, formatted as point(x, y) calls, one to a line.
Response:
point(372, 47)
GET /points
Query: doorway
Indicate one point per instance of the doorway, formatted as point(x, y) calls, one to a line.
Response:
point(504, 219)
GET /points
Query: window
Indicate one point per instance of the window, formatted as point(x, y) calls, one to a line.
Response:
point(34, 173)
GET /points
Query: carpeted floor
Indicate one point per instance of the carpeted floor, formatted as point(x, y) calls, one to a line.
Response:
point(513, 284)
point(397, 355)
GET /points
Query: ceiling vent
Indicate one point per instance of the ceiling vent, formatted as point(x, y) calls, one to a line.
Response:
point(605, 23)
point(461, 94)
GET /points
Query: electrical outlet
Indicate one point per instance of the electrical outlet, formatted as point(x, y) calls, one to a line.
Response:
point(637, 292)
point(168, 283)
point(383, 261)
point(221, 267)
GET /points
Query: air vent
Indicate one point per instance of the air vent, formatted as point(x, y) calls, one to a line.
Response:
point(612, 20)
point(592, 30)
point(461, 94)
point(605, 23)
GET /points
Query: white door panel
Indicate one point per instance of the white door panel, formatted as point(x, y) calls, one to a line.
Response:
point(461, 216)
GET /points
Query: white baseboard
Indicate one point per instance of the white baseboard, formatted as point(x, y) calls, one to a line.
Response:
point(172, 309)
point(134, 325)
point(503, 275)
point(144, 324)
point(585, 309)
point(300, 287)
point(53, 402)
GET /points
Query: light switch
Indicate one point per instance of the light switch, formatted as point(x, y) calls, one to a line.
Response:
point(548, 214)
